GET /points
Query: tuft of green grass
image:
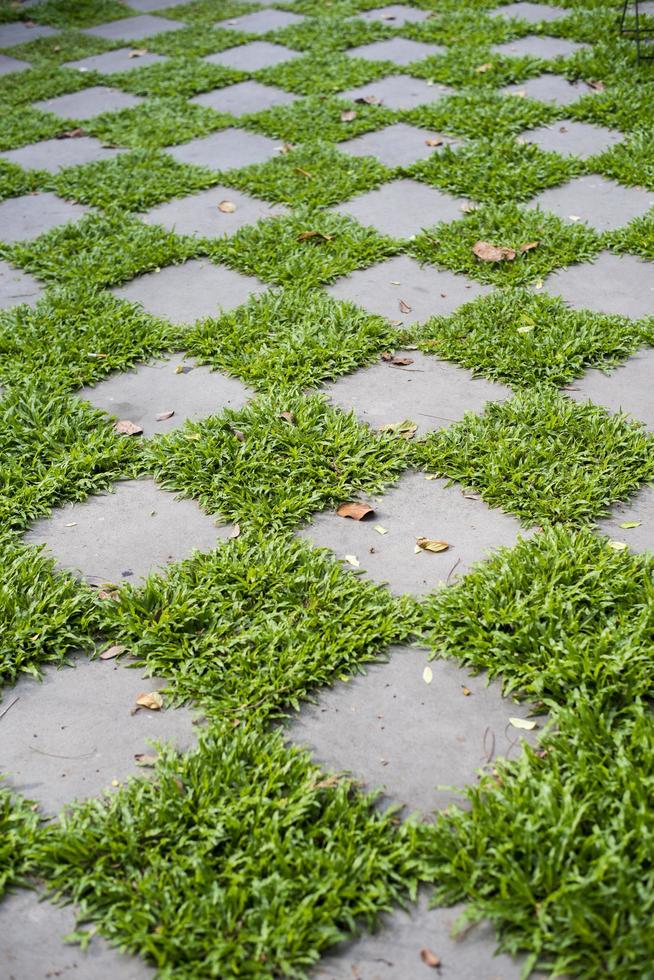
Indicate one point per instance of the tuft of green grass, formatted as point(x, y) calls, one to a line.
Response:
point(157, 123)
point(15, 181)
point(318, 117)
point(175, 78)
point(24, 125)
point(19, 825)
point(482, 114)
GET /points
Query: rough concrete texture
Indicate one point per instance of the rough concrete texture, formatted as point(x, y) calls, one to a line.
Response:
point(398, 92)
point(75, 733)
point(191, 291)
point(134, 28)
point(394, 15)
point(254, 56)
point(628, 388)
point(155, 389)
point(402, 208)
point(261, 21)
point(538, 46)
point(226, 150)
point(531, 13)
point(89, 102)
point(54, 155)
point(602, 203)
point(112, 62)
point(32, 946)
point(416, 507)
point(621, 284)
point(22, 218)
point(8, 64)
point(419, 742)
point(399, 50)
point(573, 139)
point(638, 510)
point(550, 88)
point(430, 392)
point(398, 145)
point(22, 33)
point(17, 287)
point(243, 98)
point(406, 292)
point(137, 529)
point(199, 214)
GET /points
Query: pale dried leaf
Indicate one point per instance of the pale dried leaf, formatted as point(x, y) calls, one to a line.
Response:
point(407, 429)
point(147, 761)
point(480, 69)
point(428, 675)
point(162, 416)
point(629, 524)
point(115, 651)
point(617, 545)
point(127, 428)
point(352, 560)
point(404, 307)
point(429, 958)
point(288, 417)
point(356, 510)
point(432, 544)
point(493, 253)
point(235, 531)
point(305, 236)
point(349, 115)
point(524, 723)
point(380, 530)
point(137, 52)
point(227, 207)
point(435, 141)
point(528, 247)
point(151, 700)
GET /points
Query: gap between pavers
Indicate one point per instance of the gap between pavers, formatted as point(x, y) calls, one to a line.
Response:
point(393, 15)
point(621, 284)
point(226, 150)
point(398, 92)
point(539, 46)
point(17, 287)
point(402, 208)
point(398, 50)
point(199, 214)
point(550, 88)
point(244, 98)
point(54, 155)
point(531, 13)
point(113, 62)
point(570, 138)
point(134, 28)
point(253, 56)
point(398, 145)
point(627, 388)
point(603, 204)
point(26, 217)
point(89, 102)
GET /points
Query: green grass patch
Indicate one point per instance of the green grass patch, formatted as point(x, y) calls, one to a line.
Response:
point(318, 117)
point(482, 114)
point(157, 123)
point(19, 824)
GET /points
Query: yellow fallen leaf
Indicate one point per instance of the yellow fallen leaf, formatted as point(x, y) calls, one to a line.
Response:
point(151, 700)
point(523, 723)
point(432, 544)
point(427, 675)
point(627, 525)
point(617, 545)
point(352, 560)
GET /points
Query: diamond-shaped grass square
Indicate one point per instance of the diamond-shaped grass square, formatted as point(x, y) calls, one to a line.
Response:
point(548, 244)
point(545, 458)
point(318, 116)
point(290, 340)
point(15, 181)
point(194, 41)
point(24, 125)
point(40, 83)
point(157, 124)
point(176, 78)
point(471, 66)
point(481, 114)
point(618, 107)
point(64, 13)
point(630, 162)
point(321, 73)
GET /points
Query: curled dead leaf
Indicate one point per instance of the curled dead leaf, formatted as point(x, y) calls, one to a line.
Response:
point(407, 429)
point(355, 509)
point(434, 141)
point(126, 428)
point(70, 134)
point(147, 761)
point(151, 700)
point(493, 253)
point(429, 958)
point(349, 115)
point(465, 691)
point(432, 544)
point(114, 651)
point(137, 53)
point(304, 236)
point(401, 361)
point(227, 207)
point(369, 100)
point(183, 369)
point(303, 173)
point(596, 85)
point(524, 723)
point(162, 416)
point(235, 531)
point(528, 247)
point(404, 307)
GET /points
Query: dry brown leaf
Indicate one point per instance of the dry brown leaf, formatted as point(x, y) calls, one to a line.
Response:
point(137, 52)
point(304, 236)
point(162, 416)
point(598, 86)
point(326, 783)
point(104, 594)
point(114, 651)
point(304, 173)
point(404, 307)
point(151, 700)
point(145, 760)
point(369, 100)
point(288, 417)
point(429, 958)
point(227, 207)
point(349, 115)
point(435, 141)
point(355, 510)
point(465, 691)
point(127, 428)
point(286, 148)
point(493, 253)
point(432, 544)
point(401, 361)
point(70, 134)
point(239, 435)
point(407, 429)
point(528, 247)
point(480, 69)
point(387, 356)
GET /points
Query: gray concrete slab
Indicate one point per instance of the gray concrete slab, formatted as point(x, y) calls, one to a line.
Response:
point(261, 21)
point(151, 390)
point(531, 13)
point(398, 145)
point(126, 534)
point(32, 945)
point(621, 284)
point(17, 287)
point(398, 92)
point(89, 102)
point(550, 88)
point(394, 15)
point(421, 743)
point(230, 148)
point(114, 62)
point(22, 32)
point(191, 291)
point(639, 510)
point(405, 292)
point(573, 139)
point(628, 388)
point(55, 155)
point(402, 208)
point(399, 50)
point(8, 64)
point(29, 216)
point(253, 56)
point(602, 203)
point(73, 734)
point(134, 28)
point(243, 98)
point(199, 214)
point(416, 508)
point(538, 46)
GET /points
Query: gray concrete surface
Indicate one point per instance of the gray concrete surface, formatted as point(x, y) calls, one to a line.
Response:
point(638, 510)
point(538, 46)
point(31, 215)
point(399, 50)
point(134, 28)
point(393, 15)
point(628, 388)
point(21, 32)
point(8, 64)
point(531, 13)
point(602, 203)
point(89, 102)
point(17, 287)
point(573, 139)
point(399, 92)
point(228, 149)
point(199, 214)
point(54, 155)
point(621, 284)
point(550, 88)
point(243, 98)
point(398, 145)
point(261, 21)
point(113, 62)
point(401, 208)
point(253, 56)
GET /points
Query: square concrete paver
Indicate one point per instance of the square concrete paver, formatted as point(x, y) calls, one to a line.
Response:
point(137, 529)
point(8, 64)
point(243, 98)
point(421, 743)
point(199, 214)
point(17, 287)
point(22, 218)
point(538, 46)
point(398, 145)
point(114, 62)
point(531, 13)
point(134, 28)
point(261, 21)
point(628, 388)
point(406, 292)
point(89, 102)
point(229, 149)
point(399, 50)
point(191, 291)
point(55, 155)
point(402, 208)
point(550, 88)
point(573, 139)
point(252, 57)
point(395, 15)
point(638, 510)
point(22, 33)
point(621, 284)
point(73, 733)
point(398, 92)
point(602, 203)
point(430, 392)
point(150, 390)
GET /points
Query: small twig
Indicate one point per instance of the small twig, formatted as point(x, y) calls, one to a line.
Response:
point(442, 418)
point(457, 562)
point(10, 705)
point(53, 755)
point(489, 752)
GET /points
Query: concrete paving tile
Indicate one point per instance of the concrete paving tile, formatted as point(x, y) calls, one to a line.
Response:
point(399, 50)
point(638, 510)
point(134, 28)
point(22, 218)
point(398, 92)
point(252, 57)
point(32, 945)
point(199, 214)
point(191, 291)
point(54, 155)
point(113, 62)
point(573, 139)
point(531, 13)
point(402, 208)
point(398, 145)
point(628, 388)
point(261, 21)
point(432, 393)
point(602, 203)
point(394, 15)
point(68, 736)
point(89, 102)
point(22, 33)
point(406, 292)
point(243, 98)
point(17, 287)
point(421, 743)
point(137, 529)
point(228, 149)
point(538, 46)
point(621, 284)
point(550, 88)
point(149, 390)
point(8, 64)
